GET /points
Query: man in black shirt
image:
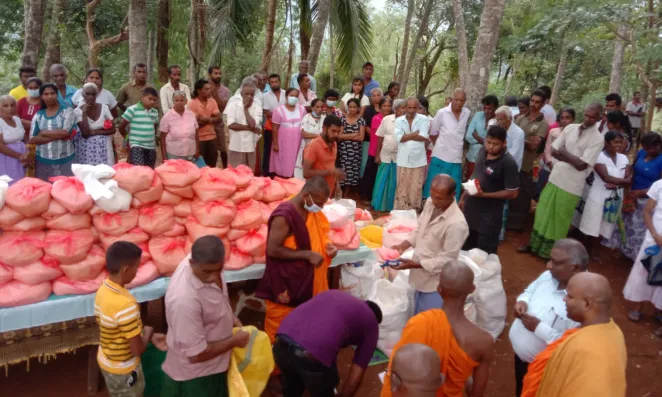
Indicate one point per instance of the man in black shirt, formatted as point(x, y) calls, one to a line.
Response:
point(498, 180)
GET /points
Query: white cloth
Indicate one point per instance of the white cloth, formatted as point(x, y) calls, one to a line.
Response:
point(243, 141)
point(386, 130)
point(12, 134)
point(166, 95)
point(411, 154)
point(590, 221)
point(545, 301)
point(635, 121)
point(310, 126)
point(450, 134)
point(549, 113)
point(515, 143)
point(104, 97)
point(270, 102)
point(365, 100)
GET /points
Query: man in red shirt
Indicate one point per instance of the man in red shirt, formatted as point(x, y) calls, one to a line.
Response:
point(319, 157)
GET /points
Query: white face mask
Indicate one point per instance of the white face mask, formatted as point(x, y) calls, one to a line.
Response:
point(313, 208)
point(33, 93)
point(292, 100)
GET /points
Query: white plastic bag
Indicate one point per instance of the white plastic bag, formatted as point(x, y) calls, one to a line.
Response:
point(490, 297)
point(403, 214)
point(350, 205)
point(390, 237)
point(119, 200)
point(337, 215)
point(4, 185)
point(358, 280)
point(395, 299)
point(94, 179)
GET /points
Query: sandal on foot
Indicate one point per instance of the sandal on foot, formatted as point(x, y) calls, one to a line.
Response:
point(634, 315)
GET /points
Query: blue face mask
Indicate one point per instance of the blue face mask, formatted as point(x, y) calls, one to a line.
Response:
point(292, 100)
point(331, 103)
point(33, 93)
point(314, 113)
point(313, 208)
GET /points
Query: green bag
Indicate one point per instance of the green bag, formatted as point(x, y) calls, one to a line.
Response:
point(152, 359)
point(612, 208)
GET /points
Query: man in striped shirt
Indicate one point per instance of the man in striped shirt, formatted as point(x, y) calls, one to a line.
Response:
point(122, 335)
point(141, 120)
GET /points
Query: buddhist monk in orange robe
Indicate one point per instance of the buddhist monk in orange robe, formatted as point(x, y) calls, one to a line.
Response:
point(464, 349)
point(586, 361)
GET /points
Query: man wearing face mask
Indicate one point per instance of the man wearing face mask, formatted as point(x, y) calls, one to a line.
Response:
point(299, 253)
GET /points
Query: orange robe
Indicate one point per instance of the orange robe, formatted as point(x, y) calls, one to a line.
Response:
point(432, 328)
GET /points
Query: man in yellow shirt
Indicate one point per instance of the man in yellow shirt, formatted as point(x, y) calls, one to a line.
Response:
point(25, 73)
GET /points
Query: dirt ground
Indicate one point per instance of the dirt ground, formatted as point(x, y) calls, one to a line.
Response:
point(66, 376)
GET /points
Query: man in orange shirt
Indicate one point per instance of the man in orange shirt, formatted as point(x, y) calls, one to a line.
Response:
point(319, 157)
point(207, 114)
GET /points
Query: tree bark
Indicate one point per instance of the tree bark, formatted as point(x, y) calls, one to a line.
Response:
point(162, 43)
point(332, 59)
point(272, 5)
point(405, 43)
point(560, 71)
point(195, 40)
point(462, 49)
point(319, 27)
point(33, 11)
point(488, 35)
point(617, 61)
point(54, 35)
point(422, 27)
point(137, 33)
point(151, 49)
point(304, 35)
point(97, 45)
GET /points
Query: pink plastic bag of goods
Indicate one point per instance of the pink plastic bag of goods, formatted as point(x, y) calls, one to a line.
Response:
point(178, 173)
point(177, 230)
point(248, 215)
point(44, 270)
point(168, 198)
point(96, 210)
point(21, 248)
point(66, 286)
point(95, 233)
point(214, 184)
point(259, 183)
point(54, 210)
point(234, 234)
point(6, 274)
point(342, 237)
point(266, 212)
point(273, 205)
point(156, 219)
point(89, 267)
point(238, 260)
point(185, 192)
point(337, 215)
point(70, 192)
point(135, 235)
point(68, 246)
point(70, 222)
point(272, 190)
point(133, 178)
point(213, 213)
point(362, 215)
point(181, 220)
point(242, 175)
point(135, 203)
point(396, 231)
point(147, 272)
point(254, 242)
point(354, 244)
point(292, 185)
point(116, 224)
point(183, 209)
point(243, 194)
point(146, 256)
point(16, 293)
point(29, 196)
point(152, 194)
point(28, 225)
point(386, 254)
point(9, 217)
point(259, 259)
point(167, 253)
point(196, 230)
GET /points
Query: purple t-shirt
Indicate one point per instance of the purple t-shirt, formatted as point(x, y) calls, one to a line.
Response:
point(330, 321)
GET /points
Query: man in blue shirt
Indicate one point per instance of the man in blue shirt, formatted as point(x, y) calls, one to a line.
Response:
point(303, 69)
point(477, 131)
point(64, 91)
point(370, 83)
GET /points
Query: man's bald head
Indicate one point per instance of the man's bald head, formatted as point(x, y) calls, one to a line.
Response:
point(415, 371)
point(589, 298)
point(456, 281)
point(315, 191)
point(442, 191)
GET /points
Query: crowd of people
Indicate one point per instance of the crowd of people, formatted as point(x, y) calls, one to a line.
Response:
point(469, 176)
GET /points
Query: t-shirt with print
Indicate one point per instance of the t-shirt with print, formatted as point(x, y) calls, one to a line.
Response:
point(141, 128)
point(485, 215)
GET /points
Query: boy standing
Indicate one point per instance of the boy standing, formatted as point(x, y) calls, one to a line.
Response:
point(498, 178)
point(142, 119)
point(122, 338)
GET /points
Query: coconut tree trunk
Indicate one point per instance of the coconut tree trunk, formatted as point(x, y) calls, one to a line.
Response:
point(272, 5)
point(137, 33)
point(162, 43)
point(151, 49)
point(617, 61)
point(422, 27)
point(461, 37)
point(55, 33)
point(405, 43)
point(323, 10)
point(560, 71)
point(488, 35)
point(304, 32)
point(195, 40)
point(33, 11)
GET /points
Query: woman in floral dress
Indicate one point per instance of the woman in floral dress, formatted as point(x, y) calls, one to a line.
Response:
point(349, 145)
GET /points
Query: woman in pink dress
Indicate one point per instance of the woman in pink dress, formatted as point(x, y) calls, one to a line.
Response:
point(286, 122)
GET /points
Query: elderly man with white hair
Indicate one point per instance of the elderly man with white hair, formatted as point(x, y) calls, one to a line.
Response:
point(244, 118)
point(65, 92)
point(94, 144)
point(504, 118)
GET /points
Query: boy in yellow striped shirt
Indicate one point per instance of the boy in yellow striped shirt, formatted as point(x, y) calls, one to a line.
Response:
point(123, 337)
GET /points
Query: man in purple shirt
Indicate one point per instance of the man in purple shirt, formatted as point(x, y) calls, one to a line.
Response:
point(310, 338)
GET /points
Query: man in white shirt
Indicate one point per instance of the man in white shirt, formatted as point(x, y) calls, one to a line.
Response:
point(303, 69)
point(547, 110)
point(447, 133)
point(273, 98)
point(515, 141)
point(173, 84)
point(244, 116)
point(636, 110)
point(540, 311)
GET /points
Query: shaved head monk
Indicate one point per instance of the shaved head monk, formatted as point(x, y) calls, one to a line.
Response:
point(415, 371)
point(585, 361)
point(464, 349)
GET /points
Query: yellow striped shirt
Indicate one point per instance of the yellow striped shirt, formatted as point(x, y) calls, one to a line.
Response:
point(118, 316)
